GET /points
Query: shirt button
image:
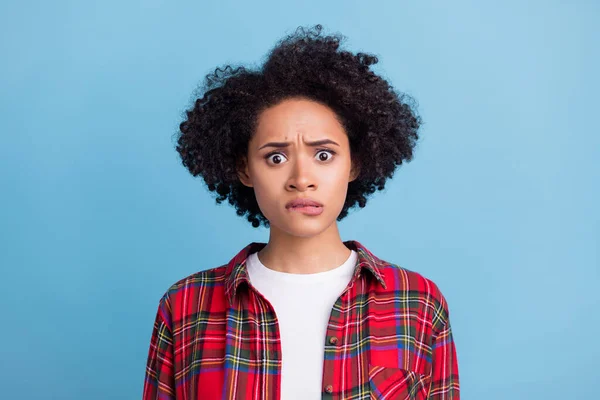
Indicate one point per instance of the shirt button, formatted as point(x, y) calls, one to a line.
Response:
point(329, 389)
point(333, 340)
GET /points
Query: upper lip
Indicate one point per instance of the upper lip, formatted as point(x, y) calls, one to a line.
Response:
point(302, 202)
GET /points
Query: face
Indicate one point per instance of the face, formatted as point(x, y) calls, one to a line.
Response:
point(299, 150)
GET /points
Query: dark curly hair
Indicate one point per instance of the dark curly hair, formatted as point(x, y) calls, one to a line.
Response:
point(381, 123)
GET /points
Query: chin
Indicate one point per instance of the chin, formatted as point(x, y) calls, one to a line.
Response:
point(305, 227)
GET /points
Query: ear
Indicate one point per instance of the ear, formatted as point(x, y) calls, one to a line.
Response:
point(243, 172)
point(354, 172)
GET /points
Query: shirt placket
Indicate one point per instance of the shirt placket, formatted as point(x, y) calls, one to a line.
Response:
point(333, 341)
point(267, 348)
point(337, 343)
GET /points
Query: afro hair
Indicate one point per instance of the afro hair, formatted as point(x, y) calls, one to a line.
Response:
point(380, 122)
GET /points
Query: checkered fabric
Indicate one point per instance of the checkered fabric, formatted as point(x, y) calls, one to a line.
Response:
point(388, 337)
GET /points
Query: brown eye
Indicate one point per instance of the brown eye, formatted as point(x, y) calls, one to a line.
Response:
point(325, 155)
point(276, 158)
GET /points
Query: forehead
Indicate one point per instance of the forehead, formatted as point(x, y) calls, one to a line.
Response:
point(298, 116)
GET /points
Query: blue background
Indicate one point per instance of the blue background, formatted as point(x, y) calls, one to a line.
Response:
point(499, 206)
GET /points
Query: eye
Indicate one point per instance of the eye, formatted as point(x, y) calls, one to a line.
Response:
point(325, 155)
point(275, 158)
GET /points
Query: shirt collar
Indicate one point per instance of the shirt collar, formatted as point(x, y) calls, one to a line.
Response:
point(236, 272)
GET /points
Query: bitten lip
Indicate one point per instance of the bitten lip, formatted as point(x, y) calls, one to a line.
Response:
point(303, 202)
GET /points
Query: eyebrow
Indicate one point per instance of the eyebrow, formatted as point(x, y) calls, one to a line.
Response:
point(286, 144)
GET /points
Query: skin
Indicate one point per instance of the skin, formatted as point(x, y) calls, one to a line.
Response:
point(300, 243)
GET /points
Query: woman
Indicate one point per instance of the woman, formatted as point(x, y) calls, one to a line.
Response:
point(294, 146)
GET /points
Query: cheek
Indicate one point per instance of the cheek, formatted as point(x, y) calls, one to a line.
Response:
point(336, 177)
point(266, 190)
point(335, 185)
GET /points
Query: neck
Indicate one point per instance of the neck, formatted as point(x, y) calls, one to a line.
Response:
point(304, 255)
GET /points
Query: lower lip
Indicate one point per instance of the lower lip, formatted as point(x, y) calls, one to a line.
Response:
point(309, 210)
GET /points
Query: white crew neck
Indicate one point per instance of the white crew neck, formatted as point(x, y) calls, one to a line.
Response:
point(259, 270)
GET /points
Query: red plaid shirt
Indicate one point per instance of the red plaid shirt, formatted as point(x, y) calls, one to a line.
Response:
point(388, 337)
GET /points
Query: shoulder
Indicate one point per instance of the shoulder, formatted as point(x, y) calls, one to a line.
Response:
point(412, 285)
point(194, 292)
point(401, 278)
point(207, 278)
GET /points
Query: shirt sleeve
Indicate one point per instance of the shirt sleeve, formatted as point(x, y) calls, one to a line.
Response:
point(159, 382)
point(444, 374)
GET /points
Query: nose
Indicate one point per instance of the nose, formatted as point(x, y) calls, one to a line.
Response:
point(301, 176)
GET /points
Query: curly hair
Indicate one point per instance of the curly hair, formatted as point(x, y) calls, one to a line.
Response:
point(380, 122)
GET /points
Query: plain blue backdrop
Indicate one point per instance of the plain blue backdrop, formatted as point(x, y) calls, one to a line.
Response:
point(499, 206)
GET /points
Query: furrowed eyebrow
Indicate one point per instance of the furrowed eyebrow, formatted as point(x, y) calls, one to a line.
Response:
point(286, 144)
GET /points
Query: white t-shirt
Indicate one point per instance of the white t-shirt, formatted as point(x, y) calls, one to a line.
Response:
point(303, 304)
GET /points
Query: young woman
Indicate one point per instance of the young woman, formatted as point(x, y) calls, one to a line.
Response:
point(293, 146)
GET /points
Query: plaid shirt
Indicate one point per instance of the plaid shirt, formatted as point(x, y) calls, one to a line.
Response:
point(388, 337)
